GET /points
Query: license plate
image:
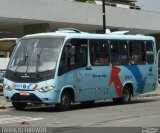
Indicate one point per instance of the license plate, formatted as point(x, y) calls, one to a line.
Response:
point(24, 93)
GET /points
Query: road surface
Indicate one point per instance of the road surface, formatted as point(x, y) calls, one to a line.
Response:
point(140, 112)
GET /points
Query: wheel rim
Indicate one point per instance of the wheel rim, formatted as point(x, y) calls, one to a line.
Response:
point(126, 95)
point(65, 101)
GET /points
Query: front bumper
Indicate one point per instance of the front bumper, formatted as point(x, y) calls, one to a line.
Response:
point(50, 97)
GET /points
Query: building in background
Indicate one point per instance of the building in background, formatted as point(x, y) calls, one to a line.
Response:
point(21, 17)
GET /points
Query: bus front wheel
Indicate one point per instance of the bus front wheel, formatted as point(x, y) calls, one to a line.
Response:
point(19, 105)
point(65, 102)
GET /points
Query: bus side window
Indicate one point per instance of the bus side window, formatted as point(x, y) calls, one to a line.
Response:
point(114, 48)
point(132, 59)
point(149, 52)
point(99, 52)
point(78, 58)
point(79, 53)
point(137, 52)
point(81, 56)
point(74, 56)
point(123, 50)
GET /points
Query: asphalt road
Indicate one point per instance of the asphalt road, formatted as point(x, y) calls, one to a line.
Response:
point(140, 112)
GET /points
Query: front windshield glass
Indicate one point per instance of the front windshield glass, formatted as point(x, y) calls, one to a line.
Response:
point(35, 55)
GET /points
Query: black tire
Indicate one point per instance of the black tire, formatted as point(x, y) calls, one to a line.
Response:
point(117, 100)
point(126, 97)
point(19, 105)
point(65, 102)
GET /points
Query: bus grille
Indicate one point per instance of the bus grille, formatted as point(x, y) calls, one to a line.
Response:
point(31, 98)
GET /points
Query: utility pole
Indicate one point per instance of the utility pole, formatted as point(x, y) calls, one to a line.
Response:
point(104, 16)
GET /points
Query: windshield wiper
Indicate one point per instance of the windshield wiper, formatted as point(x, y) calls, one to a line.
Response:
point(37, 62)
point(21, 63)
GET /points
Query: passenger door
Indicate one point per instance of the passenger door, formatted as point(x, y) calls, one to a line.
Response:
point(100, 67)
point(82, 76)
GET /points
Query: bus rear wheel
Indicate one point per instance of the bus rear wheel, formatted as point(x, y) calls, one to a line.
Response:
point(19, 105)
point(126, 97)
point(65, 102)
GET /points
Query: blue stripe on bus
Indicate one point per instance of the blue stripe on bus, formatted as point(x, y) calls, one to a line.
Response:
point(137, 74)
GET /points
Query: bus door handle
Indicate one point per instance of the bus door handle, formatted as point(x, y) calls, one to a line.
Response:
point(79, 76)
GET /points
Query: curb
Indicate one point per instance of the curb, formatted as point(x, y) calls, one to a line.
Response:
point(148, 95)
point(6, 106)
point(3, 107)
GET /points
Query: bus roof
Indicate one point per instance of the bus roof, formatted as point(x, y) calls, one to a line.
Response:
point(85, 35)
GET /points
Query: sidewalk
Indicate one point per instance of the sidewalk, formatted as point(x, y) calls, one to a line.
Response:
point(151, 94)
point(4, 104)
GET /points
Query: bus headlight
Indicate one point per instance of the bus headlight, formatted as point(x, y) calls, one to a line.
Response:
point(7, 87)
point(47, 88)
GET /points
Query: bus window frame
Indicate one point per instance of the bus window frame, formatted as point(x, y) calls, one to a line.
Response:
point(74, 67)
point(142, 41)
point(100, 64)
point(153, 50)
point(120, 41)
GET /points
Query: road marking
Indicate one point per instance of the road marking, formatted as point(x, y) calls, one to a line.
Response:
point(140, 117)
point(6, 119)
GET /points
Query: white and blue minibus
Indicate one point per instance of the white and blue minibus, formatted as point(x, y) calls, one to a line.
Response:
point(69, 66)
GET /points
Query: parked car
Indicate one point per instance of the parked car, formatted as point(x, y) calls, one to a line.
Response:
point(6, 47)
point(2, 72)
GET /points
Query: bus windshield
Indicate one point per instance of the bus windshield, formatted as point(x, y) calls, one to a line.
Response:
point(35, 55)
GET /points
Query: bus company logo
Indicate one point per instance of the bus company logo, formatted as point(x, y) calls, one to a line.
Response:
point(32, 86)
point(128, 76)
point(24, 86)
